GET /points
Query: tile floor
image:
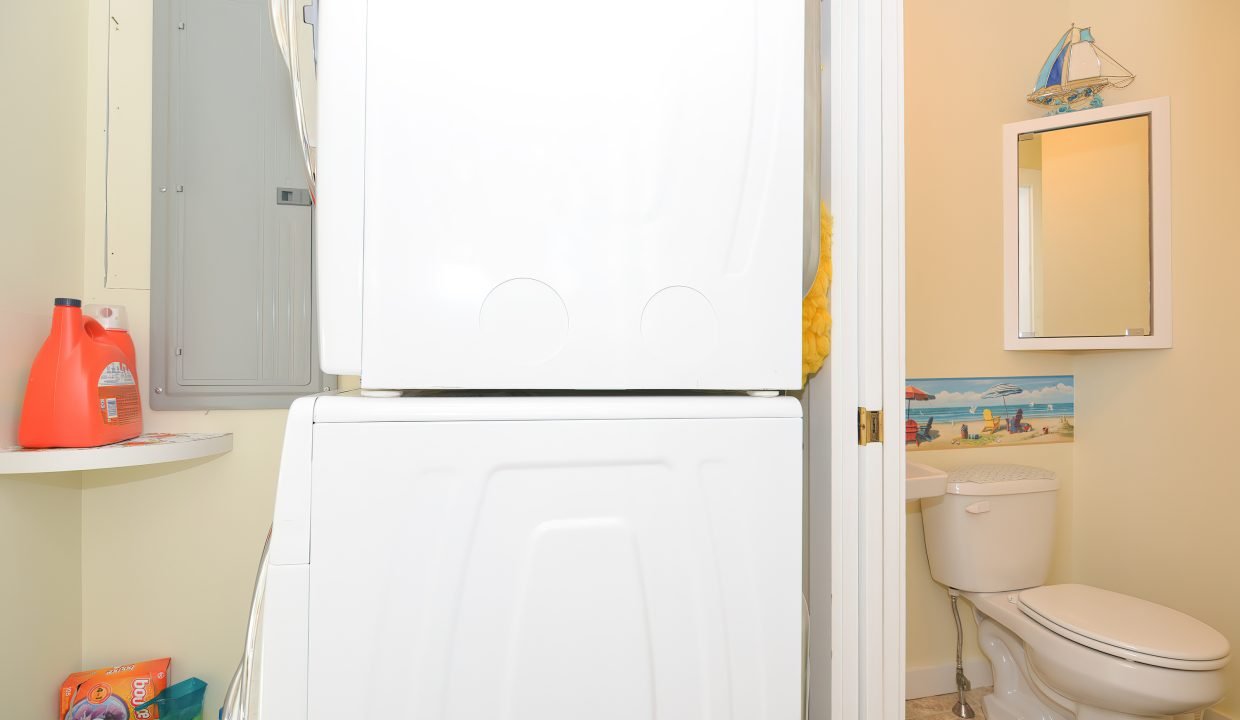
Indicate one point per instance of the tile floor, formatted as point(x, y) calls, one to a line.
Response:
point(939, 707)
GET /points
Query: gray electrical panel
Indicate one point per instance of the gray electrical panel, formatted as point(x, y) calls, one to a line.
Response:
point(232, 292)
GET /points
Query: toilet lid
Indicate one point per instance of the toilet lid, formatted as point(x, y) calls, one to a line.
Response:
point(1124, 625)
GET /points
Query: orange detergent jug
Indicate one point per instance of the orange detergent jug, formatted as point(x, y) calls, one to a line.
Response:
point(82, 391)
point(115, 320)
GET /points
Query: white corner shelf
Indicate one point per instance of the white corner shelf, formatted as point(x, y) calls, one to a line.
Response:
point(148, 449)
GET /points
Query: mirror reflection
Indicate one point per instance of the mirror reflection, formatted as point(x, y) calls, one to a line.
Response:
point(1084, 230)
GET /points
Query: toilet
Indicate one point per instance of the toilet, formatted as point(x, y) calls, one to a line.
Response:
point(1059, 652)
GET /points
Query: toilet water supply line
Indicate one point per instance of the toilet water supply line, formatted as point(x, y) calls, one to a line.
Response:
point(961, 709)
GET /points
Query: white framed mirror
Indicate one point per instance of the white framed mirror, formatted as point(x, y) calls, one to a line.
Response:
point(1087, 229)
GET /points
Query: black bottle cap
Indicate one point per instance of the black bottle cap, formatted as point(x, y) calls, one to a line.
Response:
point(68, 302)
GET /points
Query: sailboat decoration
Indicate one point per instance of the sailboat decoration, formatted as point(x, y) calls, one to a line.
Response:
point(1076, 72)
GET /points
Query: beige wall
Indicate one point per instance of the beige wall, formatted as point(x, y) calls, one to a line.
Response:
point(197, 527)
point(955, 250)
point(42, 135)
point(200, 528)
point(1159, 486)
point(65, 539)
point(1152, 492)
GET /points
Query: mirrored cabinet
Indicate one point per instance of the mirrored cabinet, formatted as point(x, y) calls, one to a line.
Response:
point(1087, 238)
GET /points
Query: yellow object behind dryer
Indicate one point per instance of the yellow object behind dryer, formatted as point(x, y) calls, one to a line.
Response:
point(815, 313)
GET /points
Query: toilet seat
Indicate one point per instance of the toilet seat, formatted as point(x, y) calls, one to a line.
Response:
point(1126, 627)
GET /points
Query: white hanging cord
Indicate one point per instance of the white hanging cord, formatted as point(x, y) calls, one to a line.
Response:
point(238, 703)
point(285, 19)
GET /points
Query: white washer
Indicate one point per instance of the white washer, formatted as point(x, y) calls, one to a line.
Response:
point(562, 195)
point(541, 558)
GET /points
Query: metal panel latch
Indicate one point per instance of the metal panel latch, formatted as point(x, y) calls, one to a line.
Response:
point(292, 196)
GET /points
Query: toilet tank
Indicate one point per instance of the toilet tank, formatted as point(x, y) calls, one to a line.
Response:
point(994, 528)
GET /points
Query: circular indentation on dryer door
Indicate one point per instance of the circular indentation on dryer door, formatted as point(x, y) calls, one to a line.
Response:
point(523, 320)
point(679, 323)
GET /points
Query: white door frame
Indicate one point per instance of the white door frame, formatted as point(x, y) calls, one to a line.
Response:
point(860, 552)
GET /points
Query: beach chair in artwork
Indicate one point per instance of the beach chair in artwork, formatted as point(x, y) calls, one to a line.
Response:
point(991, 422)
point(1018, 424)
point(911, 429)
point(923, 434)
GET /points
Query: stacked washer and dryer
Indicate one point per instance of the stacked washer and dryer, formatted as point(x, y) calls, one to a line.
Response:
point(561, 245)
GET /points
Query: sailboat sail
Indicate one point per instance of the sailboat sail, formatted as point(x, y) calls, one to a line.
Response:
point(1054, 63)
point(1085, 62)
point(1075, 72)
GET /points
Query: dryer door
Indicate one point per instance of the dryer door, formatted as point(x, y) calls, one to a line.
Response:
point(556, 570)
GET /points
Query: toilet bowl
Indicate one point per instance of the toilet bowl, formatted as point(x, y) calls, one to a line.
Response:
point(1059, 652)
point(1042, 671)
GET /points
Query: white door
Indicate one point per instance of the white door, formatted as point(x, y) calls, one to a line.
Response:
point(563, 194)
point(557, 569)
point(856, 493)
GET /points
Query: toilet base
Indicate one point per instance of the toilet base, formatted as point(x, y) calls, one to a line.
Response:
point(1016, 694)
point(1019, 694)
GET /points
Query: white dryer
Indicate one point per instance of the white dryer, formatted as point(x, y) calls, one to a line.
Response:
point(540, 558)
point(562, 194)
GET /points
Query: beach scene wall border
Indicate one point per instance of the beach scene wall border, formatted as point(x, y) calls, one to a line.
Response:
point(988, 412)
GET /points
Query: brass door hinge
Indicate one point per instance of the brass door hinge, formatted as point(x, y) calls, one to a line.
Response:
point(869, 426)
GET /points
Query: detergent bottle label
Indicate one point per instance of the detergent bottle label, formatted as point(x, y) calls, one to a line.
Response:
point(118, 395)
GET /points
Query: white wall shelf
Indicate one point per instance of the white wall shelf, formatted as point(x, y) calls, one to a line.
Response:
point(148, 449)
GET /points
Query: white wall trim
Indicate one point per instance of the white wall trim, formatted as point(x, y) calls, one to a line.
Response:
point(866, 507)
point(1212, 714)
point(922, 682)
point(894, 363)
point(842, 601)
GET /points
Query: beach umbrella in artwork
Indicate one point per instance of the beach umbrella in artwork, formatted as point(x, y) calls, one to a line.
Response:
point(1002, 390)
point(912, 393)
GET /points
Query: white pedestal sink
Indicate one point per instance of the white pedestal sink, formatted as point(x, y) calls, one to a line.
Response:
point(923, 481)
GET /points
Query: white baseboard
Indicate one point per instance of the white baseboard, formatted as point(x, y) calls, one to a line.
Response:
point(939, 680)
point(1212, 714)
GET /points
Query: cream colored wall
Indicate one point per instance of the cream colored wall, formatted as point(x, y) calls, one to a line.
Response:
point(189, 535)
point(42, 135)
point(198, 527)
point(1094, 246)
point(1153, 486)
point(1159, 485)
point(41, 594)
point(954, 247)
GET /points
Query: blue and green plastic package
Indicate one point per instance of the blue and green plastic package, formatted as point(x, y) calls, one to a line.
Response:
point(182, 701)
